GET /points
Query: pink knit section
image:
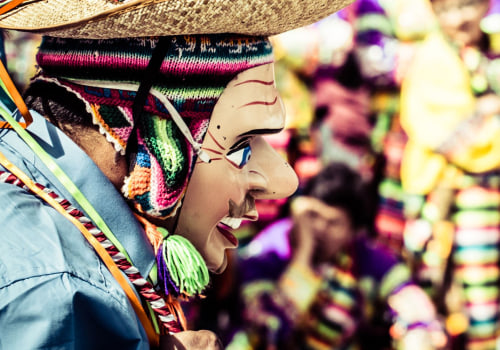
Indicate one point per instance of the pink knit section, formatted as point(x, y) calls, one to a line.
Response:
point(163, 196)
point(123, 133)
point(174, 66)
point(204, 67)
point(199, 127)
point(57, 59)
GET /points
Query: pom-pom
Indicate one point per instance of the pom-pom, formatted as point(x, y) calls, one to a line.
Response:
point(181, 268)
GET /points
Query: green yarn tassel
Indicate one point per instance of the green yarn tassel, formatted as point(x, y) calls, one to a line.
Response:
point(185, 267)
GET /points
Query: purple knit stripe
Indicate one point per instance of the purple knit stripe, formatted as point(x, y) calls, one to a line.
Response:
point(401, 286)
point(371, 37)
point(164, 276)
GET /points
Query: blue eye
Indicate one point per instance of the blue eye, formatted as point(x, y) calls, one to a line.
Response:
point(240, 157)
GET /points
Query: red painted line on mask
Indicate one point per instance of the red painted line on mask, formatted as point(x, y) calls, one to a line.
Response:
point(257, 82)
point(265, 103)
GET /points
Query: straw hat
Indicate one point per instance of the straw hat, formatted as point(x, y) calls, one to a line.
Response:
point(101, 19)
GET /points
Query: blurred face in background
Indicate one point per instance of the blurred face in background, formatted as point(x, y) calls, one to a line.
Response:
point(331, 228)
point(460, 19)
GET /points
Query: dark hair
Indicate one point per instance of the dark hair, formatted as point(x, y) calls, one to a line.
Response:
point(56, 103)
point(338, 185)
point(348, 74)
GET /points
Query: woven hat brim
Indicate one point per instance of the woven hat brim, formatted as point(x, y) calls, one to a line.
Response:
point(102, 19)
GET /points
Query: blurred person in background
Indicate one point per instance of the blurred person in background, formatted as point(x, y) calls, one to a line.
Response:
point(450, 109)
point(341, 127)
point(385, 36)
point(20, 50)
point(314, 280)
point(343, 123)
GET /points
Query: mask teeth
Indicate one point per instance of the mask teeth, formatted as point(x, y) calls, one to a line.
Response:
point(232, 222)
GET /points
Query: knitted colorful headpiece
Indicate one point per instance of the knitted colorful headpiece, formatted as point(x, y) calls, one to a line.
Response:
point(192, 77)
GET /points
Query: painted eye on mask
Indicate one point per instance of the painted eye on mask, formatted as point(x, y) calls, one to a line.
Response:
point(239, 157)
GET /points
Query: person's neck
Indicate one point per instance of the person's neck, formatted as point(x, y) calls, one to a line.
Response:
point(112, 164)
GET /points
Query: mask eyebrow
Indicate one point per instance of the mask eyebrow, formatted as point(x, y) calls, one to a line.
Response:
point(271, 82)
point(260, 132)
point(265, 103)
point(242, 140)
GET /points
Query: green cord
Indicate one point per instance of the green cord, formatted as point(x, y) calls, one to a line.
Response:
point(65, 181)
point(153, 318)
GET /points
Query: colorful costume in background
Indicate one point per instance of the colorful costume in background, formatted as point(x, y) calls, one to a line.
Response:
point(345, 305)
point(450, 167)
point(383, 48)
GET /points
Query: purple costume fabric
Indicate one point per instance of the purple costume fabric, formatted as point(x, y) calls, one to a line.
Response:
point(265, 259)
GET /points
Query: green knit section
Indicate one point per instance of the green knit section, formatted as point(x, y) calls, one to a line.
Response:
point(374, 22)
point(326, 332)
point(113, 116)
point(343, 298)
point(476, 255)
point(481, 293)
point(391, 189)
point(166, 143)
point(485, 329)
point(253, 289)
point(183, 93)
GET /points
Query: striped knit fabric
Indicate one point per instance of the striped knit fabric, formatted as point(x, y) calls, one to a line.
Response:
point(476, 259)
point(164, 312)
point(193, 75)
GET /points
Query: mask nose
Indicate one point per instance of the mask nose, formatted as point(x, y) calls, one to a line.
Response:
point(270, 176)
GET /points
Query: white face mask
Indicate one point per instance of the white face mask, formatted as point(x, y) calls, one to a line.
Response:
point(243, 166)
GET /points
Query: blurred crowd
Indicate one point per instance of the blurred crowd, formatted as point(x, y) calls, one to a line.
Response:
point(392, 239)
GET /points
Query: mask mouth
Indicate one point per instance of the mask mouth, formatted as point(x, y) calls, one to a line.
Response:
point(231, 222)
point(226, 225)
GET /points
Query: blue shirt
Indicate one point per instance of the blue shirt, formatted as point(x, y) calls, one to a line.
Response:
point(55, 293)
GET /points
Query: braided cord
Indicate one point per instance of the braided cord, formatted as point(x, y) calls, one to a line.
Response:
point(65, 180)
point(164, 311)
